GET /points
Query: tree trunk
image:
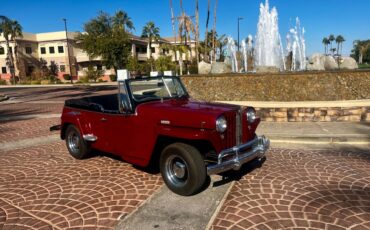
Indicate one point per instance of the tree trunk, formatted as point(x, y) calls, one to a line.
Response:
point(206, 39)
point(214, 31)
point(360, 58)
point(17, 61)
point(11, 60)
point(338, 48)
point(197, 32)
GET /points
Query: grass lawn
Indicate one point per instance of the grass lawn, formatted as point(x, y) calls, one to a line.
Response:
point(364, 66)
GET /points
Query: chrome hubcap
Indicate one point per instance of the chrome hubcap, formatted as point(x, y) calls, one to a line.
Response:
point(74, 142)
point(176, 170)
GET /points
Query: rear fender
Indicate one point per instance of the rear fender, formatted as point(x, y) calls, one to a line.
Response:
point(74, 118)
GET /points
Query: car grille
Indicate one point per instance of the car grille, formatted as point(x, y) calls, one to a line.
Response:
point(233, 135)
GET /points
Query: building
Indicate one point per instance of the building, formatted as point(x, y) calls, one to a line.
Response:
point(53, 47)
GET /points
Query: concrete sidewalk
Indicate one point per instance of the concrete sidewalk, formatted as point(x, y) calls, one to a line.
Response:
point(316, 132)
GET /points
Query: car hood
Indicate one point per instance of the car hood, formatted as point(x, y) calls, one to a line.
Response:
point(186, 113)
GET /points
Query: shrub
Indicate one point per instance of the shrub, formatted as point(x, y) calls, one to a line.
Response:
point(113, 77)
point(45, 82)
point(67, 77)
point(93, 74)
point(84, 79)
point(164, 63)
point(36, 82)
point(2, 82)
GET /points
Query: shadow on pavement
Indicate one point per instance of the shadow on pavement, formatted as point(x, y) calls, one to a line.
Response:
point(233, 175)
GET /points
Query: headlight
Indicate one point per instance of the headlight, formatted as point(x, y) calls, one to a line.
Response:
point(251, 115)
point(221, 124)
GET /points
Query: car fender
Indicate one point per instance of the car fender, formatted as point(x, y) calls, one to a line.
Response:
point(75, 118)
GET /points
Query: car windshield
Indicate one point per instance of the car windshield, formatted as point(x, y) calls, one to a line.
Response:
point(156, 88)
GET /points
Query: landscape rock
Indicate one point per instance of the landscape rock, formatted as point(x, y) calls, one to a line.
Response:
point(220, 67)
point(330, 63)
point(204, 67)
point(348, 63)
point(316, 62)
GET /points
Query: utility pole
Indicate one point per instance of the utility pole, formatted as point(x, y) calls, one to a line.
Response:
point(69, 56)
point(239, 18)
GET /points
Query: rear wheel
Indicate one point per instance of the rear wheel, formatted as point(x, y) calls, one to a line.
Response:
point(183, 169)
point(76, 145)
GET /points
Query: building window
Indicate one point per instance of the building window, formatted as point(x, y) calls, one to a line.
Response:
point(28, 50)
point(99, 67)
point(144, 50)
point(62, 68)
point(10, 50)
point(60, 49)
point(43, 50)
point(51, 50)
point(3, 70)
point(152, 50)
point(2, 51)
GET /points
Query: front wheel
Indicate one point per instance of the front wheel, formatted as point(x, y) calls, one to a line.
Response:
point(76, 145)
point(183, 169)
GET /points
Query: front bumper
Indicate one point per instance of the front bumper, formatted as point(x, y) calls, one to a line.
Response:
point(240, 155)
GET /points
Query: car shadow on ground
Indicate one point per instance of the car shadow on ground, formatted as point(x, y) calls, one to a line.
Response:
point(236, 175)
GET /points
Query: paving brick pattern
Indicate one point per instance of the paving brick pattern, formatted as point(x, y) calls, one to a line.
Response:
point(43, 187)
point(21, 109)
point(299, 190)
point(18, 130)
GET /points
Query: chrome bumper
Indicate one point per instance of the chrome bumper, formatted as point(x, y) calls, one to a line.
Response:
point(244, 153)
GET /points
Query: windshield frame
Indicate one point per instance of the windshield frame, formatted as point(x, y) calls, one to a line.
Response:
point(129, 81)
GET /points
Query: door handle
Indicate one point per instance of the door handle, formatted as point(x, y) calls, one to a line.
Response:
point(103, 119)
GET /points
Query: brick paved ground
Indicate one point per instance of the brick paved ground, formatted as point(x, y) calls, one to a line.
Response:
point(43, 187)
point(21, 109)
point(18, 130)
point(299, 190)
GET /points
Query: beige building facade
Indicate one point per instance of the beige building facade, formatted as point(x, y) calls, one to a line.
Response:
point(53, 47)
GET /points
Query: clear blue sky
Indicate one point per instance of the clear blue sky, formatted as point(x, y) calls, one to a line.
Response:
point(320, 18)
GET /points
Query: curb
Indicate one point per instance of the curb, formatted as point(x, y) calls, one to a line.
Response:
point(321, 139)
point(58, 85)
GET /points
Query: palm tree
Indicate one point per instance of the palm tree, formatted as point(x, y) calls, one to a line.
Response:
point(331, 39)
point(339, 40)
point(151, 32)
point(326, 42)
point(16, 31)
point(2, 20)
point(123, 21)
point(7, 30)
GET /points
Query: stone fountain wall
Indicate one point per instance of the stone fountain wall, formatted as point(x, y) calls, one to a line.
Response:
point(300, 86)
point(289, 87)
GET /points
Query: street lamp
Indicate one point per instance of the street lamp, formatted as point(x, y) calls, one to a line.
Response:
point(239, 18)
point(69, 58)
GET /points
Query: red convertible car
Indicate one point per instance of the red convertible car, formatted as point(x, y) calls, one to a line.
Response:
point(154, 121)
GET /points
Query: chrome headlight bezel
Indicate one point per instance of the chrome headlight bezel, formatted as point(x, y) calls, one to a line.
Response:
point(251, 115)
point(221, 124)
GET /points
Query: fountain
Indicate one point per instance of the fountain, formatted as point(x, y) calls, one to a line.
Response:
point(266, 53)
point(268, 46)
point(296, 48)
point(231, 54)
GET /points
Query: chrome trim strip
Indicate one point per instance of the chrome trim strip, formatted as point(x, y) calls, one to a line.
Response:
point(259, 146)
point(238, 128)
point(90, 137)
